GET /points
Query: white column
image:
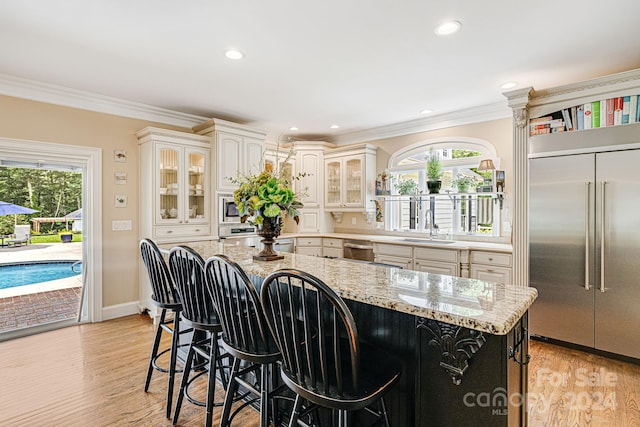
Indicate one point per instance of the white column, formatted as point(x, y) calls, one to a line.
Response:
point(518, 101)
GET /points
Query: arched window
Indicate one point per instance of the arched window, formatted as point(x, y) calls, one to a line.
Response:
point(409, 208)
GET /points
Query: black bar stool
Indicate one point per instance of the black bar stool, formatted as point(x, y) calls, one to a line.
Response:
point(187, 269)
point(165, 296)
point(323, 360)
point(245, 335)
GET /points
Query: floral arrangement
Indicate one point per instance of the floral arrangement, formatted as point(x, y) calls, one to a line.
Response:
point(267, 194)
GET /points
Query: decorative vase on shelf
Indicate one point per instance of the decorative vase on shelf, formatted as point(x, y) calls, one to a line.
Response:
point(269, 230)
point(434, 186)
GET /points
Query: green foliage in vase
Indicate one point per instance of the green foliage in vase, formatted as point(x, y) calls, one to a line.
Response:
point(433, 166)
point(267, 194)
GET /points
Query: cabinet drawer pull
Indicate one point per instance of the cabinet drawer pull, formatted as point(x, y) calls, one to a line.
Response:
point(170, 231)
point(490, 259)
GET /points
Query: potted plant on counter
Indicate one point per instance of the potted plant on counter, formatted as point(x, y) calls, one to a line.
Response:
point(406, 187)
point(463, 182)
point(434, 170)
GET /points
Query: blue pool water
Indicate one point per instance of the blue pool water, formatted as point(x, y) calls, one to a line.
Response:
point(15, 275)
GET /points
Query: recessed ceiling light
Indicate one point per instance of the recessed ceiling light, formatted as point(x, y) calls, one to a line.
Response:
point(508, 85)
point(293, 128)
point(426, 111)
point(234, 54)
point(447, 28)
point(334, 126)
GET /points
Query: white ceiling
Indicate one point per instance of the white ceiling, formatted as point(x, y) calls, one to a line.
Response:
point(357, 64)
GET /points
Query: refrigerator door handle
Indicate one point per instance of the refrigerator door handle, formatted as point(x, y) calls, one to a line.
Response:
point(586, 235)
point(602, 230)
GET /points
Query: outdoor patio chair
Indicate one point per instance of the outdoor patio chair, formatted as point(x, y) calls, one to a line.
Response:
point(22, 235)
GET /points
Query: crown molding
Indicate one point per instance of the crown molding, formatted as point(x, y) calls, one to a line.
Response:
point(59, 95)
point(495, 111)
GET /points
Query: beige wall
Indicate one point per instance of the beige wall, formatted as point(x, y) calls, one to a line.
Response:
point(29, 120)
point(36, 121)
point(497, 132)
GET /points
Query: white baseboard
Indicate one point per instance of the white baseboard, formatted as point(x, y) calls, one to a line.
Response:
point(120, 310)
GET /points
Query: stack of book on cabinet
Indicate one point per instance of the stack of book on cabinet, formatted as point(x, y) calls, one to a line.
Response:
point(607, 112)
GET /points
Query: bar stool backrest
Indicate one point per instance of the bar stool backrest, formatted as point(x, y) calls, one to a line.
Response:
point(163, 290)
point(187, 270)
point(244, 327)
point(315, 332)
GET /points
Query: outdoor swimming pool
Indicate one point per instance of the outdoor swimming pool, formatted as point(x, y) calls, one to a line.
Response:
point(27, 273)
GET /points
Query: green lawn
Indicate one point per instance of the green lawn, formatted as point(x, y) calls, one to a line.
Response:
point(52, 238)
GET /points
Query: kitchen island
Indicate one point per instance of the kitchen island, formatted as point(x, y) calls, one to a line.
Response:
point(463, 342)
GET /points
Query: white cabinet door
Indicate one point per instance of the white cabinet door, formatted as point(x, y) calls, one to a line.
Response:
point(310, 185)
point(393, 260)
point(309, 250)
point(253, 151)
point(228, 150)
point(332, 252)
point(169, 165)
point(435, 267)
point(309, 221)
point(333, 184)
point(353, 178)
point(491, 273)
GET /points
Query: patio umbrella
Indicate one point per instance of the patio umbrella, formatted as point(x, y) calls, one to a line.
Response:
point(11, 209)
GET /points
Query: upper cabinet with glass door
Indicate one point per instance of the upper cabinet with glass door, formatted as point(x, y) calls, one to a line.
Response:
point(175, 185)
point(350, 178)
point(182, 185)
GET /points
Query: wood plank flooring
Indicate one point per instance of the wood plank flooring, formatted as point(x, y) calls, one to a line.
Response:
point(570, 388)
point(93, 375)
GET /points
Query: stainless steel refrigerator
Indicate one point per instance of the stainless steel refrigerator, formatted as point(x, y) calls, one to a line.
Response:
point(584, 237)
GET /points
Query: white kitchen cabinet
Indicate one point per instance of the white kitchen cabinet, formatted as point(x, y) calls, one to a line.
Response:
point(309, 246)
point(309, 220)
point(332, 247)
point(405, 263)
point(350, 179)
point(175, 193)
point(491, 266)
point(175, 187)
point(399, 255)
point(434, 260)
point(310, 161)
point(238, 148)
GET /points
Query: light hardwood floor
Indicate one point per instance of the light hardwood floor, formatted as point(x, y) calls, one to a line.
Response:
point(93, 375)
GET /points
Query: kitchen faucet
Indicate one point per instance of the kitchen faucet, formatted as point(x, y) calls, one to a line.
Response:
point(430, 222)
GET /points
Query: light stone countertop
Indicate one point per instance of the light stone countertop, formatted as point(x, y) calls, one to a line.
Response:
point(475, 304)
point(411, 241)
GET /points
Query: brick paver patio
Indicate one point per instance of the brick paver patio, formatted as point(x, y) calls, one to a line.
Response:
point(20, 311)
point(39, 308)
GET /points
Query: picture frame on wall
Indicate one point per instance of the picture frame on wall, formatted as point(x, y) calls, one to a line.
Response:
point(120, 178)
point(120, 156)
point(120, 201)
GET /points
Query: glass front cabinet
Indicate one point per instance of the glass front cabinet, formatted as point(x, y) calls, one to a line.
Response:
point(350, 179)
point(175, 185)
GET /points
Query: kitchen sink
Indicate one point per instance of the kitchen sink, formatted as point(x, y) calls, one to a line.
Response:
point(443, 242)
